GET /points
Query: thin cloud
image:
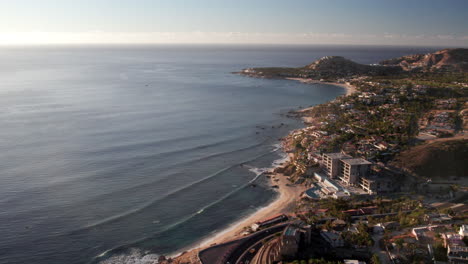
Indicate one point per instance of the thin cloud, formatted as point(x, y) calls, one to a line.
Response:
point(100, 37)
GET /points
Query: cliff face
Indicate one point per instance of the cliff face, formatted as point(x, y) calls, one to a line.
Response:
point(453, 60)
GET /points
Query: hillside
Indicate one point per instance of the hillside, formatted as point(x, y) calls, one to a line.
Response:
point(333, 67)
point(439, 160)
point(324, 68)
point(337, 64)
point(454, 60)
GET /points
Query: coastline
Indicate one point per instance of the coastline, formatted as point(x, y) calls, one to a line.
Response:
point(350, 89)
point(288, 194)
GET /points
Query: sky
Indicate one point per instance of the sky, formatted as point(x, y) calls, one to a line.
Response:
point(367, 22)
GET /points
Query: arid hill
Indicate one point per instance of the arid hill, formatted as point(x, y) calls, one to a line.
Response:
point(333, 67)
point(438, 160)
point(326, 67)
point(333, 64)
point(453, 60)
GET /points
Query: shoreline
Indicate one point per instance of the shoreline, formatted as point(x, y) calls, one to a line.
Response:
point(288, 194)
point(350, 89)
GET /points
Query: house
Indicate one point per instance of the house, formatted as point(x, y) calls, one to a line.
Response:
point(353, 261)
point(269, 222)
point(377, 229)
point(368, 210)
point(454, 240)
point(390, 225)
point(332, 238)
point(435, 218)
point(457, 251)
point(457, 254)
point(338, 225)
point(352, 212)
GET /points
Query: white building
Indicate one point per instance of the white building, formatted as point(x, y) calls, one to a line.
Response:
point(463, 230)
point(353, 261)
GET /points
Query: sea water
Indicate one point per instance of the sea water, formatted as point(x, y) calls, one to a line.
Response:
point(122, 153)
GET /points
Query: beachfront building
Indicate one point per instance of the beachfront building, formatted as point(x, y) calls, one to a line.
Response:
point(353, 170)
point(332, 163)
point(269, 222)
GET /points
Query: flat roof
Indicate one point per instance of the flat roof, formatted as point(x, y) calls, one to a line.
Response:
point(330, 235)
point(337, 155)
point(357, 161)
point(290, 231)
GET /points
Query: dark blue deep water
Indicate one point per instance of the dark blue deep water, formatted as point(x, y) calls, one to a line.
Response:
point(119, 152)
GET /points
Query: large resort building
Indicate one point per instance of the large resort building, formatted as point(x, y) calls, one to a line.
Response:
point(354, 169)
point(345, 168)
point(354, 172)
point(332, 163)
point(350, 171)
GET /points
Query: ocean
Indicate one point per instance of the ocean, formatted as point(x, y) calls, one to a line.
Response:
point(118, 154)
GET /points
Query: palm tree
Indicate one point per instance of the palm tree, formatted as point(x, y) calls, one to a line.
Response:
point(375, 259)
point(399, 244)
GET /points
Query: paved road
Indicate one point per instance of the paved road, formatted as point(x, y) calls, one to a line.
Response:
point(383, 256)
point(239, 251)
point(231, 252)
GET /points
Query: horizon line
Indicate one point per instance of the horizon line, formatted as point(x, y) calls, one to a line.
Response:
point(223, 44)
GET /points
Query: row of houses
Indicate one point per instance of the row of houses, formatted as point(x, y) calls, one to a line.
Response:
point(457, 251)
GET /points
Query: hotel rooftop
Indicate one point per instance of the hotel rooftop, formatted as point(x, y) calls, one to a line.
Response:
point(357, 161)
point(337, 155)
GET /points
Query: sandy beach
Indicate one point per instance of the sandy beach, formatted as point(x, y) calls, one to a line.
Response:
point(350, 89)
point(284, 203)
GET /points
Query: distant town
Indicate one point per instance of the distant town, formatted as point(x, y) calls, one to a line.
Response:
point(384, 168)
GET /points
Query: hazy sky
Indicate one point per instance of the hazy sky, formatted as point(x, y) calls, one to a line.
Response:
point(391, 22)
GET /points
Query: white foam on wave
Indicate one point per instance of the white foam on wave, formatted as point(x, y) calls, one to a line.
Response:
point(138, 257)
point(277, 147)
point(276, 163)
point(258, 171)
point(135, 256)
point(215, 234)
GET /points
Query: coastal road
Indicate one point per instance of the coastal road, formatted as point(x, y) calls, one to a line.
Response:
point(232, 251)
